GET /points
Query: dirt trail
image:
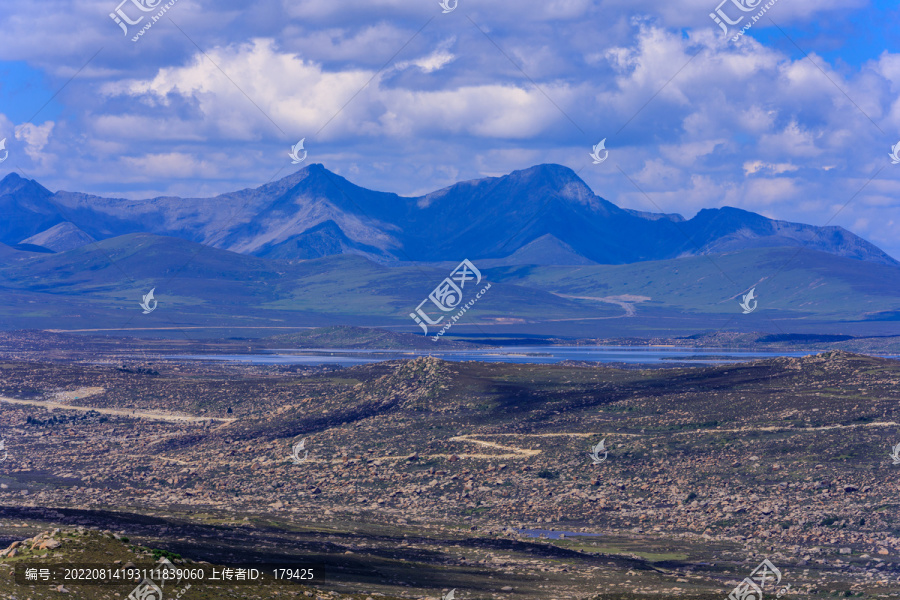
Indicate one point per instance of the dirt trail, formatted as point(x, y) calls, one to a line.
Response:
point(83, 392)
point(174, 328)
point(625, 301)
point(572, 434)
point(123, 412)
point(792, 429)
point(517, 452)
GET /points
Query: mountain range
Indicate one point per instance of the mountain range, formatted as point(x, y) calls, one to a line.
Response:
point(543, 215)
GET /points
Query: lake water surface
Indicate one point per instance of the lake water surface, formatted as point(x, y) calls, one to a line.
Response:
point(551, 534)
point(658, 355)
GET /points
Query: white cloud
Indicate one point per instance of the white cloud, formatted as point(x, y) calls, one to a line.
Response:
point(755, 166)
point(434, 61)
point(177, 165)
point(305, 96)
point(36, 138)
point(249, 87)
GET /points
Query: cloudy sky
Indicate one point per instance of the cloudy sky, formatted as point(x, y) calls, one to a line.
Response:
point(794, 119)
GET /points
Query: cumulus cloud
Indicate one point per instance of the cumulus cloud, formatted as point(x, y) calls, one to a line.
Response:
point(36, 138)
point(302, 96)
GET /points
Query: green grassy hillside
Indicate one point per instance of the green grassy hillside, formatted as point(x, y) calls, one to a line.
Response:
point(100, 286)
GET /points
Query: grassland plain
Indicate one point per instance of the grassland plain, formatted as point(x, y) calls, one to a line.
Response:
point(798, 290)
point(422, 474)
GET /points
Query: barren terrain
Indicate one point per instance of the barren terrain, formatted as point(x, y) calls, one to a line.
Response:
point(423, 476)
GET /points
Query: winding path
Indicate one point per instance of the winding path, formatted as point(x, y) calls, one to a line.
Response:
point(625, 301)
point(122, 412)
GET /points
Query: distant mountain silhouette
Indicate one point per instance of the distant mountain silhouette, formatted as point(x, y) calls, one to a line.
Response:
point(541, 215)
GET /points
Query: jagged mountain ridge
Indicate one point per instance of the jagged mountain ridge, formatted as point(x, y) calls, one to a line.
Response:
point(541, 215)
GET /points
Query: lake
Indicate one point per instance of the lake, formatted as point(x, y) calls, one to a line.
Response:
point(551, 534)
point(644, 355)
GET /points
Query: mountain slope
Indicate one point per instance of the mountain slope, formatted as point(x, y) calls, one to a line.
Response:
point(729, 229)
point(26, 209)
point(808, 282)
point(59, 238)
point(100, 285)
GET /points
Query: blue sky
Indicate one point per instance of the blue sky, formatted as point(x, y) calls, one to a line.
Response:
point(795, 120)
